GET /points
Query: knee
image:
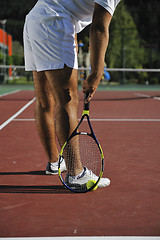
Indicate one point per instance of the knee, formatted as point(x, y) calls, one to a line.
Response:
point(68, 97)
point(44, 104)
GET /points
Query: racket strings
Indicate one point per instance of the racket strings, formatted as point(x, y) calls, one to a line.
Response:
point(80, 152)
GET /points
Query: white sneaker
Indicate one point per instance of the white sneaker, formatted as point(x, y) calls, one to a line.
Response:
point(52, 168)
point(84, 177)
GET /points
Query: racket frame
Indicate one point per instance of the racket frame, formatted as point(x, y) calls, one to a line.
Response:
point(74, 133)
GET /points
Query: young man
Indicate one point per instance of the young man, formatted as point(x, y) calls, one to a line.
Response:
point(51, 53)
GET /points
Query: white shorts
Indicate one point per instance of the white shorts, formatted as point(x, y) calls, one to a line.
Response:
point(50, 45)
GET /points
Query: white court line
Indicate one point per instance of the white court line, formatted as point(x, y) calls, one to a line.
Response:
point(5, 94)
point(157, 98)
point(23, 120)
point(100, 120)
point(85, 238)
point(125, 120)
point(146, 95)
point(16, 114)
point(142, 95)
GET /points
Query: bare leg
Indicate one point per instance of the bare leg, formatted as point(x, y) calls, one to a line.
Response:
point(44, 115)
point(56, 90)
point(64, 86)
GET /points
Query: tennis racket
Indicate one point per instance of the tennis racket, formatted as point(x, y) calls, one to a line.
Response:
point(83, 156)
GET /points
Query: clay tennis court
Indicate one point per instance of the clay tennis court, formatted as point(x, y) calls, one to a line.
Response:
point(127, 124)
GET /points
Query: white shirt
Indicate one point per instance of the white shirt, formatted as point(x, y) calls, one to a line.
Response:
point(81, 11)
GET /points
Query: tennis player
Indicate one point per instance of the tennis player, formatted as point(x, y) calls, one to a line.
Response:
point(50, 47)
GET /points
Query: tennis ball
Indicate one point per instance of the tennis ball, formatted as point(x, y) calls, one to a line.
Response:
point(90, 183)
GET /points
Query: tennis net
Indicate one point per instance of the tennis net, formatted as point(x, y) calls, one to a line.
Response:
point(112, 77)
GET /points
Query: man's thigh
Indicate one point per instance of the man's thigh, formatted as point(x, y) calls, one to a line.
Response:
point(63, 81)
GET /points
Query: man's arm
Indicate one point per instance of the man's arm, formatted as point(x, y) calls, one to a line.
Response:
point(76, 42)
point(99, 36)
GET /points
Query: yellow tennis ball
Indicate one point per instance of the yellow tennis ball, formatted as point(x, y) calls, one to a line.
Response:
point(90, 183)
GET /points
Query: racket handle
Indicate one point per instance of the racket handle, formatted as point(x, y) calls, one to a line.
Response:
point(86, 105)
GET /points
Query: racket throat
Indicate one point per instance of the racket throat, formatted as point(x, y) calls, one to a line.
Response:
point(85, 112)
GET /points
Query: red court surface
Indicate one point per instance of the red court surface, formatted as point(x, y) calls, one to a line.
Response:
point(32, 204)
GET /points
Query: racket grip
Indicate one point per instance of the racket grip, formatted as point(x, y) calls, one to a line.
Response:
point(86, 105)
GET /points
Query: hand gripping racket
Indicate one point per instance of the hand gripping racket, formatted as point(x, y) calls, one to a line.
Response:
point(83, 156)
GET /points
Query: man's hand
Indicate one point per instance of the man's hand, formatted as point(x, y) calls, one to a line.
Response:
point(90, 85)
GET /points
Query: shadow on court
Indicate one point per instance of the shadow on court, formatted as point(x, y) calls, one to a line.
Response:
point(58, 189)
point(54, 189)
point(24, 173)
